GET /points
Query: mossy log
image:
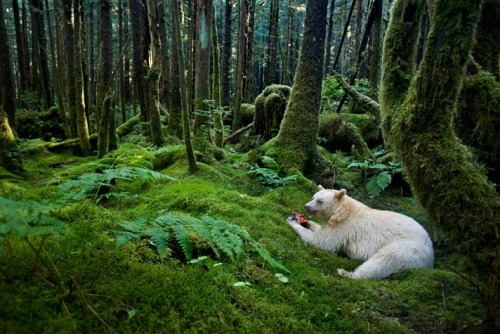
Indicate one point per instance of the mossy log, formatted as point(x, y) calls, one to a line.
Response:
point(72, 144)
point(270, 107)
point(125, 128)
point(418, 111)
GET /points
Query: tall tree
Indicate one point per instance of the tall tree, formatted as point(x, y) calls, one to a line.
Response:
point(226, 55)
point(140, 39)
point(7, 93)
point(202, 122)
point(22, 57)
point(177, 36)
point(241, 58)
point(216, 86)
point(81, 117)
point(418, 112)
point(329, 35)
point(155, 11)
point(295, 146)
point(104, 113)
point(175, 127)
point(271, 73)
point(39, 56)
point(69, 47)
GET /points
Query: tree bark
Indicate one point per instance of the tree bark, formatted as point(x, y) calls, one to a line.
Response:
point(226, 56)
point(69, 47)
point(295, 146)
point(22, 58)
point(154, 76)
point(329, 34)
point(216, 86)
point(202, 121)
point(81, 118)
point(270, 74)
point(418, 112)
point(193, 167)
point(7, 93)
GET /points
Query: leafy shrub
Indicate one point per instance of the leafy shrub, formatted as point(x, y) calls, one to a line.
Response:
point(223, 238)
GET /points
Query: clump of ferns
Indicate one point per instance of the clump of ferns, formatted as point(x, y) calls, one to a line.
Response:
point(168, 231)
point(100, 184)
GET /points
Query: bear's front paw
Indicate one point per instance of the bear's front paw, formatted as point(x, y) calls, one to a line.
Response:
point(343, 272)
point(291, 220)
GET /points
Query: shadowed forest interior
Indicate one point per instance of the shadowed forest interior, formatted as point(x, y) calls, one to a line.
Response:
point(151, 152)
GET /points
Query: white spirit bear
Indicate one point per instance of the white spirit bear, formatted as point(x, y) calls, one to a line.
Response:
point(387, 241)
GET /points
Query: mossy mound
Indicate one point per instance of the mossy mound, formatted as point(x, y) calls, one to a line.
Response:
point(270, 107)
point(349, 133)
point(36, 124)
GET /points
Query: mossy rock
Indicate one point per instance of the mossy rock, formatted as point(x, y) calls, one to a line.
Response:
point(340, 132)
point(247, 111)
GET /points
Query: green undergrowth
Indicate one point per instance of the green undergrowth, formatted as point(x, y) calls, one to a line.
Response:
point(71, 267)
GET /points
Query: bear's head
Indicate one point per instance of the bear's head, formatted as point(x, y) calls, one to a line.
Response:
point(325, 202)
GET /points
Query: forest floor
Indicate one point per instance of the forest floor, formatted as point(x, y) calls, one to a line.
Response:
point(81, 251)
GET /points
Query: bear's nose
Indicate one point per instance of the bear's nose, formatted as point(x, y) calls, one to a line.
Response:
point(307, 208)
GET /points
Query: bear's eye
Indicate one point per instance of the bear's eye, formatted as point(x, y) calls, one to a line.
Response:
point(320, 201)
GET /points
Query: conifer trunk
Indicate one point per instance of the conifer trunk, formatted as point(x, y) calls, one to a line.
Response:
point(296, 140)
point(7, 93)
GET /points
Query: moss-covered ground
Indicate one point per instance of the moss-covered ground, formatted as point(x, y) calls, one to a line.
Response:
point(80, 282)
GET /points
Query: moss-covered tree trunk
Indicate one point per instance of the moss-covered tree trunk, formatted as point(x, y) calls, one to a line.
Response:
point(418, 122)
point(295, 144)
point(81, 118)
point(202, 140)
point(216, 86)
point(10, 158)
point(177, 37)
point(155, 10)
point(7, 93)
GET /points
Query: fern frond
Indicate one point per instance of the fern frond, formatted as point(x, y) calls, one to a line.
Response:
point(160, 238)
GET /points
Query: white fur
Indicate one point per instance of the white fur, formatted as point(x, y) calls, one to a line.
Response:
point(388, 241)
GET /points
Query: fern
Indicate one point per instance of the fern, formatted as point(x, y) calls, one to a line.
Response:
point(91, 185)
point(268, 176)
point(222, 237)
point(380, 174)
point(27, 218)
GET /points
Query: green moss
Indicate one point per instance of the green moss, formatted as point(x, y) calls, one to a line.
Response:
point(133, 290)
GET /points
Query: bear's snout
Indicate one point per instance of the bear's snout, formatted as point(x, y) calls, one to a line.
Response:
point(309, 208)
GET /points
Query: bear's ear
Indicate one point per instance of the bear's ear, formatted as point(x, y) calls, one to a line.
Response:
point(320, 187)
point(339, 194)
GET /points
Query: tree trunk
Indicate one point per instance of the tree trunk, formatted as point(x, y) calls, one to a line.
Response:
point(7, 93)
point(40, 52)
point(344, 34)
point(295, 145)
point(241, 58)
point(487, 50)
point(418, 112)
point(104, 113)
point(216, 86)
point(81, 118)
point(193, 167)
point(272, 45)
point(10, 158)
point(69, 47)
point(140, 39)
point(329, 34)
point(121, 74)
point(22, 58)
point(226, 56)
point(175, 110)
point(202, 140)
point(374, 76)
point(154, 76)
